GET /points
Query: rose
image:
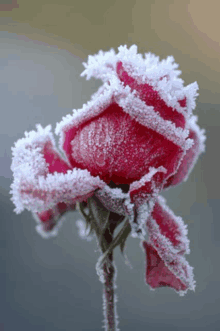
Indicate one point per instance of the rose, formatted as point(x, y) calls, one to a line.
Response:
point(136, 137)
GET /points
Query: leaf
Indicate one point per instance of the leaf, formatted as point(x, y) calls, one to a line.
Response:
point(125, 235)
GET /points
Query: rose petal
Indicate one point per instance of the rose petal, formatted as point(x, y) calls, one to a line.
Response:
point(149, 185)
point(191, 156)
point(117, 148)
point(34, 187)
point(165, 249)
point(50, 220)
point(158, 274)
point(169, 225)
point(151, 97)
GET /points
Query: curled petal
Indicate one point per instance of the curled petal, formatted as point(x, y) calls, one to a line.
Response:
point(165, 249)
point(158, 274)
point(50, 220)
point(149, 185)
point(43, 193)
point(151, 97)
point(157, 82)
point(142, 196)
point(42, 178)
point(191, 156)
point(168, 225)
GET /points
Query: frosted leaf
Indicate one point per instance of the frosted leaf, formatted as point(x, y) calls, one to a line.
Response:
point(82, 231)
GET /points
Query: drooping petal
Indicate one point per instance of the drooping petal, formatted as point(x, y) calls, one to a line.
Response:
point(50, 220)
point(170, 226)
point(143, 194)
point(39, 186)
point(149, 185)
point(191, 156)
point(165, 249)
point(158, 274)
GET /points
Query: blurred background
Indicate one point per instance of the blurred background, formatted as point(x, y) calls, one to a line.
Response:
point(52, 284)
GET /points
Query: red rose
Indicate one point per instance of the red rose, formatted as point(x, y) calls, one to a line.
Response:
point(136, 137)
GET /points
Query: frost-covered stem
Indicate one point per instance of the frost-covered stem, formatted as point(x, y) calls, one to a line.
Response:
point(108, 295)
point(106, 222)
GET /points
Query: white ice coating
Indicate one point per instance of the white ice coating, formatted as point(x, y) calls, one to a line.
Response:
point(202, 138)
point(145, 70)
point(182, 227)
point(113, 199)
point(131, 104)
point(168, 253)
point(44, 190)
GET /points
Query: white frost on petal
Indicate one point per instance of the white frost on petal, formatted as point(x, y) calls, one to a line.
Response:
point(114, 200)
point(200, 132)
point(100, 65)
point(28, 160)
point(33, 187)
point(115, 91)
point(182, 227)
point(175, 262)
point(42, 193)
point(146, 116)
point(161, 75)
point(146, 178)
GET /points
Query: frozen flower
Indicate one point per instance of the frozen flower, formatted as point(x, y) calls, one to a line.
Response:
point(134, 138)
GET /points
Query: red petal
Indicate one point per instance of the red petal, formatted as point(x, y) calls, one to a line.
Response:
point(187, 163)
point(54, 160)
point(157, 274)
point(170, 226)
point(152, 183)
point(151, 97)
point(167, 244)
point(119, 149)
point(51, 218)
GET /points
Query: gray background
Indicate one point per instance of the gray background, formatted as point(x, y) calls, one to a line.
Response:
point(52, 284)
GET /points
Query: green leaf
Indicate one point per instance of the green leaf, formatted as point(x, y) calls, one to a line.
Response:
point(124, 237)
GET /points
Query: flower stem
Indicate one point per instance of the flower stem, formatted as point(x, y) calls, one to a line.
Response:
point(106, 222)
point(108, 295)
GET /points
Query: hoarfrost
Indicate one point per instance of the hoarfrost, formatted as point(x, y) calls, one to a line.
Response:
point(34, 188)
point(161, 75)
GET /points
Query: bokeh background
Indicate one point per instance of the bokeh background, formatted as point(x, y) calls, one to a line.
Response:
point(52, 284)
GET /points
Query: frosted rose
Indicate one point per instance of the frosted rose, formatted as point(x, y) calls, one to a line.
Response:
point(136, 137)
